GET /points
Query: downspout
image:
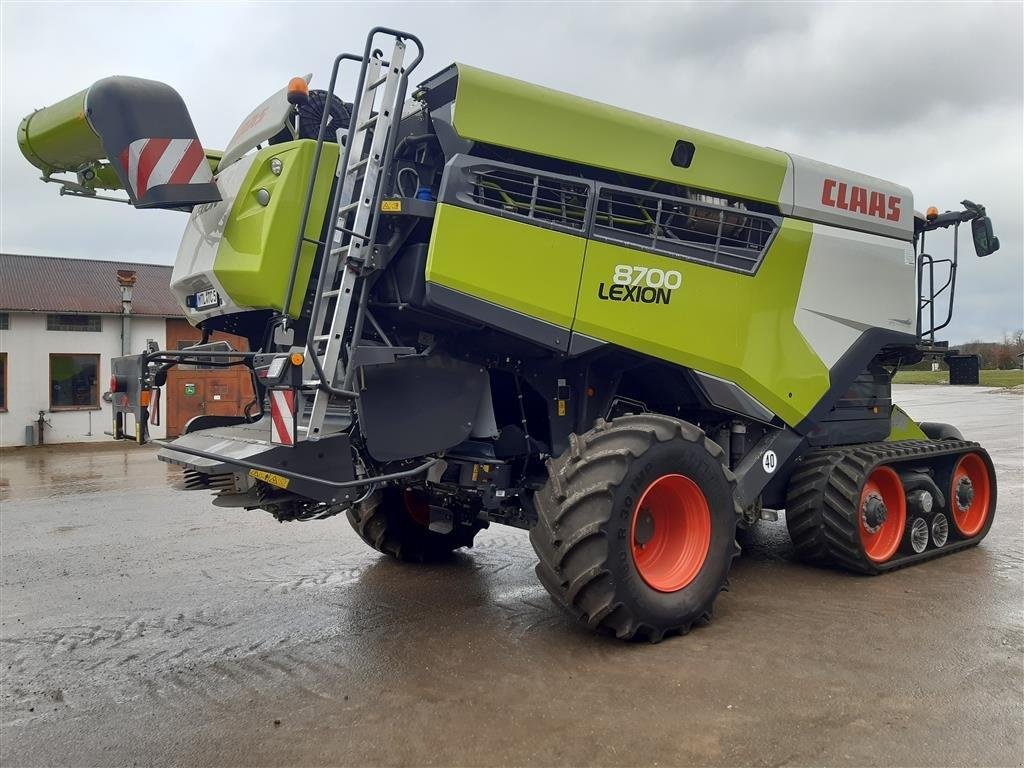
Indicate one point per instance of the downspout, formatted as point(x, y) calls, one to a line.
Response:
point(126, 279)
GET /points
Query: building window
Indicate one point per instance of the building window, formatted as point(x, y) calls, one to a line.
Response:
point(5, 321)
point(73, 323)
point(73, 381)
point(3, 381)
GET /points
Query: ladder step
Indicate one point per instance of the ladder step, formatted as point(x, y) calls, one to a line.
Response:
point(351, 232)
point(376, 84)
point(322, 337)
point(368, 123)
point(331, 293)
point(348, 207)
point(358, 166)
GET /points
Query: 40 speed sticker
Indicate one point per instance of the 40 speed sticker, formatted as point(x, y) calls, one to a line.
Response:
point(642, 285)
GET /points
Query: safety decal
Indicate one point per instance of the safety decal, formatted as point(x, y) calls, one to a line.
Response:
point(270, 478)
point(151, 163)
point(282, 416)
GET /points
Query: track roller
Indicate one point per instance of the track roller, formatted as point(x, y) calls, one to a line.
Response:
point(940, 530)
point(917, 536)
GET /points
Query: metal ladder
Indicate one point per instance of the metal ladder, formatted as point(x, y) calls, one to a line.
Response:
point(355, 214)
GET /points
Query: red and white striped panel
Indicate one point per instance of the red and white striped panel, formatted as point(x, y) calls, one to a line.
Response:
point(152, 162)
point(282, 416)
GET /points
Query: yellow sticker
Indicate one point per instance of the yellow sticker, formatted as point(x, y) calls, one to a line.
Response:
point(391, 206)
point(270, 478)
point(561, 407)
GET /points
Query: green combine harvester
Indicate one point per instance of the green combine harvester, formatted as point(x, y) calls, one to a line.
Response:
point(483, 301)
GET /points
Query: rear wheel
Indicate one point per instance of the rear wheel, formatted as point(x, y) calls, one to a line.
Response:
point(395, 521)
point(636, 526)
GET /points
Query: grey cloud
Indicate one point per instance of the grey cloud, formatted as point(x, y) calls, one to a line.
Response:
point(837, 68)
point(718, 32)
point(928, 95)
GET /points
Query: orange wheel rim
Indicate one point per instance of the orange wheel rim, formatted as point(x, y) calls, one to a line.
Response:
point(416, 507)
point(970, 494)
point(670, 533)
point(881, 514)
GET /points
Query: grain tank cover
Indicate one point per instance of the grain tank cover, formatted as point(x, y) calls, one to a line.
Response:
point(141, 127)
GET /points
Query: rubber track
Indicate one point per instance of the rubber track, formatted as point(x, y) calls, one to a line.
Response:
point(823, 499)
point(580, 487)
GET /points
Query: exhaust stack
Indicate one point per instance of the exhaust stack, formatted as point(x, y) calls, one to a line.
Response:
point(123, 133)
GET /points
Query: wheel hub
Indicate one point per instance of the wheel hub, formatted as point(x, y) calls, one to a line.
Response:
point(671, 533)
point(644, 530)
point(964, 494)
point(873, 513)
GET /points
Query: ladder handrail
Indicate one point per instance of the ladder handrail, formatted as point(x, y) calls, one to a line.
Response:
point(389, 150)
point(355, 213)
point(318, 152)
point(326, 383)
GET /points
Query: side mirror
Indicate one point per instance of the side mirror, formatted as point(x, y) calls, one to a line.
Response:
point(984, 241)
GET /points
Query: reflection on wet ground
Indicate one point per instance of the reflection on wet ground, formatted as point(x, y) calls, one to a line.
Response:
point(141, 624)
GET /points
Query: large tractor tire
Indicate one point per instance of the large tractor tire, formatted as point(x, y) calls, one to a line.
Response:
point(636, 527)
point(394, 521)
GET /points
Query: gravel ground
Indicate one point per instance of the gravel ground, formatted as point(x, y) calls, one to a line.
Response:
point(141, 625)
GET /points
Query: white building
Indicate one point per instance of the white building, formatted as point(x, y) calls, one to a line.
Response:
point(60, 324)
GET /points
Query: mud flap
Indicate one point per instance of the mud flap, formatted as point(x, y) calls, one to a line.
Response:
point(418, 406)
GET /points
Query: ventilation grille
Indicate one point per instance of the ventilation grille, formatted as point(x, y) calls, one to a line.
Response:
point(533, 196)
point(699, 227)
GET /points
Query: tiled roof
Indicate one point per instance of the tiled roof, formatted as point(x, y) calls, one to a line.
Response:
point(49, 284)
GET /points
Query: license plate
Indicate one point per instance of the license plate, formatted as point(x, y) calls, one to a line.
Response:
point(206, 299)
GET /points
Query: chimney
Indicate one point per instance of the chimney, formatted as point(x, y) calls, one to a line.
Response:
point(126, 279)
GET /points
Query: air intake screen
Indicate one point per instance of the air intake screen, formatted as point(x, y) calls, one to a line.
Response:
point(533, 196)
point(698, 227)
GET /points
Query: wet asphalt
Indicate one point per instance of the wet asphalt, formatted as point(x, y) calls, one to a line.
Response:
point(141, 625)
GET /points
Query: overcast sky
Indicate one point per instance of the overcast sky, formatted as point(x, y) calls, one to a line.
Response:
point(927, 94)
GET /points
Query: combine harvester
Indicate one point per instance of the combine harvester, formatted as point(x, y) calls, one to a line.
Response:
point(490, 302)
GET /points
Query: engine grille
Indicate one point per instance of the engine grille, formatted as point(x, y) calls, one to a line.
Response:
point(532, 196)
point(697, 227)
